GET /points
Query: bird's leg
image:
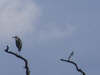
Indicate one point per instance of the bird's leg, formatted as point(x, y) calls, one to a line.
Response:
point(19, 53)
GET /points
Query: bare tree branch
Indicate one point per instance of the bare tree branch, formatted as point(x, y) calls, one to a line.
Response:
point(75, 64)
point(20, 57)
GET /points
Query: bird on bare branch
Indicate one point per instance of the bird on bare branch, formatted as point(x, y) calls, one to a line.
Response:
point(18, 42)
point(71, 54)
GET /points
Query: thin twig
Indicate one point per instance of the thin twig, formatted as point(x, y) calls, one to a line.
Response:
point(77, 68)
point(20, 57)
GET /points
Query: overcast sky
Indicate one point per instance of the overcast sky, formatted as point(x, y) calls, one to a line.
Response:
point(50, 30)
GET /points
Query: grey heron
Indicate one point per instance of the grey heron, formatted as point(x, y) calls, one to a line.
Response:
point(18, 42)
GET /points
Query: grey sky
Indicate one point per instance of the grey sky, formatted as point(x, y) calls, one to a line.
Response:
point(50, 30)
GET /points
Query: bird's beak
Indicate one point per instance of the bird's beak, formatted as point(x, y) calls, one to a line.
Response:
point(13, 37)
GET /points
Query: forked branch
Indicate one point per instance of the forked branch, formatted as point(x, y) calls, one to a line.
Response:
point(20, 57)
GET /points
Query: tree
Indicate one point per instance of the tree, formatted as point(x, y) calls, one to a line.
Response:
point(72, 62)
point(69, 60)
point(20, 57)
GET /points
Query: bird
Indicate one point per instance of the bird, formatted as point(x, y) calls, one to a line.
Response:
point(18, 42)
point(71, 54)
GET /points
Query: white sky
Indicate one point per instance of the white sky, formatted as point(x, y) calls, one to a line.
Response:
point(17, 17)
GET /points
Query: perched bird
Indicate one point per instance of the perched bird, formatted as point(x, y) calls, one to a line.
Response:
point(18, 43)
point(71, 54)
